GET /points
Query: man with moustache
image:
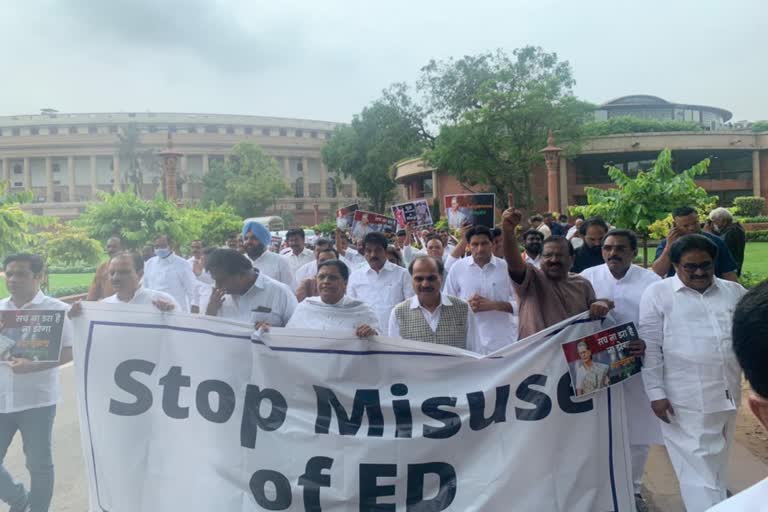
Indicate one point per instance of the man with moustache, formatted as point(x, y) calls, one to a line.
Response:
point(431, 316)
point(732, 234)
point(550, 294)
point(690, 372)
point(256, 241)
point(590, 254)
point(172, 274)
point(624, 283)
point(533, 241)
point(100, 287)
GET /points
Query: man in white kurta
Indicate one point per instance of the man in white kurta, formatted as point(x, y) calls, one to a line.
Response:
point(256, 240)
point(624, 283)
point(381, 284)
point(243, 293)
point(483, 281)
point(298, 254)
point(172, 274)
point(125, 271)
point(690, 372)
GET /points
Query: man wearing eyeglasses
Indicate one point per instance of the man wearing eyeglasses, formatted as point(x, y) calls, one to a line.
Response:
point(432, 316)
point(690, 372)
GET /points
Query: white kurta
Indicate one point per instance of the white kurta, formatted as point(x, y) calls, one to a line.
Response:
point(381, 290)
point(347, 314)
point(172, 275)
point(433, 319)
point(276, 267)
point(144, 296)
point(267, 300)
point(294, 262)
point(466, 278)
point(689, 361)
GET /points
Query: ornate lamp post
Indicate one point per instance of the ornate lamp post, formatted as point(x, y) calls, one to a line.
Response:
point(170, 158)
point(552, 159)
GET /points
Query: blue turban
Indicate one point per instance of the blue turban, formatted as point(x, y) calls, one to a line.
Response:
point(259, 231)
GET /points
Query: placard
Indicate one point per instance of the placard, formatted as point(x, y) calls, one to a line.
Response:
point(31, 334)
point(474, 209)
point(416, 213)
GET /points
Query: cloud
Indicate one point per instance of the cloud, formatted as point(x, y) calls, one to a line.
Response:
point(210, 31)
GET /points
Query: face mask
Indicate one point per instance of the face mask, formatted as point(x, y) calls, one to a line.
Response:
point(162, 253)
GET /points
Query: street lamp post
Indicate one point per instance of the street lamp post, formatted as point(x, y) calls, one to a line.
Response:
point(552, 160)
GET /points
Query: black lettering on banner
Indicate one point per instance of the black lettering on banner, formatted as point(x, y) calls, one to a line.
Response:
point(564, 394)
point(282, 489)
point(366, 401)
point(402, 410)
point(370, 491)
point(252, 418)
point(446, 492)
point(477, 419)
point(226, 400)
point(127, 383)
point(542, 402)
point(313, 479)
point(451, 421)
point(172, 383)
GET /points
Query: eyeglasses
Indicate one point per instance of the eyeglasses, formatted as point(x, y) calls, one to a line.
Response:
point(693, 267)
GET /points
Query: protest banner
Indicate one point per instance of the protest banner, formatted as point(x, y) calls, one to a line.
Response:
point(475, 209)
point(602, 359)
point(31, 334)
point(368, 222)
point(345, 216)
point(186, 412)
point(416, 213)
point(276, 244)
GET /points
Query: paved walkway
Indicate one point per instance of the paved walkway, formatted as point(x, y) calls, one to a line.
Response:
point(663, 493)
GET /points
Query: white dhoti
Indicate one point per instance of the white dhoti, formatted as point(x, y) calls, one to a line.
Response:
point(698, 445)
point(644, 428)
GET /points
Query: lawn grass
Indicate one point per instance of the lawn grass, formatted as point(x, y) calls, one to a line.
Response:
point(56, 281)
point(755, 258)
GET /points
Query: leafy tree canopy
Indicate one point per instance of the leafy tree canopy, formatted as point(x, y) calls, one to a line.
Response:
point(618, 125)
point(16, 225)
point(67, 245)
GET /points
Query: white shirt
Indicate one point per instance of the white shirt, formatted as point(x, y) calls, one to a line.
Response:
point(205, 276)
point(172, 275)
point(306, 271)
point(267, 300)
point(433, 319)
point(754, 499)
point(688, 356)
point(536, 262)
point(347, 314)
point(19, 392)
point(497, 328)
point(272, 265)
point(381, 290)
point(144, 296)
point(294, 262)
point(354, 260)
point(544, 230)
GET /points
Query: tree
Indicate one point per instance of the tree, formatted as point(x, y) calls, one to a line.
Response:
point(16, 225)
point(67, 245)
point(367, 148)
point(494, 113)
point(212, 225)
point(636, 203)
point(251, 181)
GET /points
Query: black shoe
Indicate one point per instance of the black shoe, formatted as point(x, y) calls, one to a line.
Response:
point(640, 504)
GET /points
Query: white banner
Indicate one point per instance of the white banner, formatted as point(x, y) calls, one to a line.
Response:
point(187, 413)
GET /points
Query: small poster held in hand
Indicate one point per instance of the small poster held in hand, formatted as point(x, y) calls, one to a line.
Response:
point(475, 209)
point(31, 334)
point(416, 213)
point(346, 216)
point(368, 222)
point(602, 359)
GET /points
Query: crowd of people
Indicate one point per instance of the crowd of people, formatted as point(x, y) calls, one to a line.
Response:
point(480, 291)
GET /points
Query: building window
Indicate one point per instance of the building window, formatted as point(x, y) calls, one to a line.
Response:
point(330, 187)
point(283, 132)
point(298, 133)
point(230, 130)
point(298, 187)
point(152, 128)
point(73, 130)
point(313, 134)
point(426, 187)
point(15, 131)
point(249, 130)
point(211, 129)
point(92, 130)
point(18, 184)
point(346, 190)
point(112, 128)
point(327, 135)
point(17, 169)
point(314, 189)
point(53, 130)
point(56, 182)
point(300, 166)
point(191, 129)
point(56, 168)
point(265, 132)
point(172, 128)
point(299, 206)
point(34, 130)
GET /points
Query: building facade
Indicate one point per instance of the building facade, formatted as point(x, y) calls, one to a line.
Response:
point(739, 161)
point(645, 106)
point(65, 160)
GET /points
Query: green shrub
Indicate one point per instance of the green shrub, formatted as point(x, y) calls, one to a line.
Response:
point(54, 269)
point(757, 236)
point(754, 220)
point(750, 279)
point(72, 290)
point(760, 126)
point(749, 206)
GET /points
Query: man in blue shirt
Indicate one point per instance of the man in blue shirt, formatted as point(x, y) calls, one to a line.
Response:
point(686, 222)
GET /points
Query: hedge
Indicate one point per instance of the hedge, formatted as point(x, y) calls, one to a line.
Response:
point(749, 206)
point(53, 269)
point(757, 236)
point(72, 290)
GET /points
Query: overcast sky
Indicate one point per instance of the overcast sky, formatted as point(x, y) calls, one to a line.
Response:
point(327, 59)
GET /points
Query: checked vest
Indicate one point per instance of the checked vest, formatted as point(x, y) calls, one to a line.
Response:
point(451, 329)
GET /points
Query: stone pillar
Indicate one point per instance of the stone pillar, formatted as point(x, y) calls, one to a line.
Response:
point(354, 188)
point(435, 187)
point(756, 173)
point(72, 180)
point(116, 173)
point(564, 186)
point(27, 175)
point(552, 160)
point(323, 180)
point(305, 167)
point(94, 179)
point(287, 170)
point(206, 168)
point(48, 180)
point(7, 172)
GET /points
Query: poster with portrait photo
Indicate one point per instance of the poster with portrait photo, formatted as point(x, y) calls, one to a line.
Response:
point(602, 359)
point(31, 334)
point(346, 216)
point(368, 222)
point(416, 213)
point(475, 209)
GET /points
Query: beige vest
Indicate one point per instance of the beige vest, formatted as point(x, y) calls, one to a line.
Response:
point(451, 329)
